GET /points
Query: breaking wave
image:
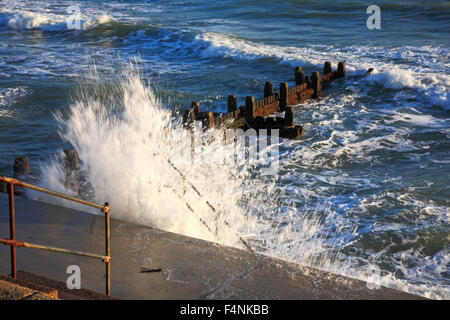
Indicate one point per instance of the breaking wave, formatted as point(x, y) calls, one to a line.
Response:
point(345, 199)
point(433, 86)
point(126, 164)
point(28, 20)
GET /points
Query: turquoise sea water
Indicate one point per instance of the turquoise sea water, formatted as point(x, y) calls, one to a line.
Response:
point(374, 155)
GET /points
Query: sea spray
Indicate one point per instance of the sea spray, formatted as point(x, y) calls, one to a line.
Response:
point(124, 135)
point(374, 153)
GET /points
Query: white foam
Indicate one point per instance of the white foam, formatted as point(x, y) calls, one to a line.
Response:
point(418, 280)
point(302, 228)
point(425, 120)
point(125, 165)
point(433, 87)
point(132, 140)
point(222, 45)
point(29, 20)
point(122, 138)
point(430, 80)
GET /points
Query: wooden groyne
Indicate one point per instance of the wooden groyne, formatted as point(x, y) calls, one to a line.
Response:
point(258, 114)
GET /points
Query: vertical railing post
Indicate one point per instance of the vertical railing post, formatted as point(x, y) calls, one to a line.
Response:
point(107, 249)
point(12, 230)
point(13, 243)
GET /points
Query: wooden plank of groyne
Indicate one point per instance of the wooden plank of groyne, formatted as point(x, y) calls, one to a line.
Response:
point(21, 166)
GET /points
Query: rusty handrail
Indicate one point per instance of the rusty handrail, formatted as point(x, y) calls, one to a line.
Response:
point(50, 192)
point(17, 244)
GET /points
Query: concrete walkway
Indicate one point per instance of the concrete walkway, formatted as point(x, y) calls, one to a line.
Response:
point(151, 264)
point(14, 291)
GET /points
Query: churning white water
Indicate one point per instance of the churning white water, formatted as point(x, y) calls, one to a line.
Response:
point(124, 136)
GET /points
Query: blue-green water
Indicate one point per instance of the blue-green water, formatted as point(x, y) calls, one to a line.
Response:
point(374, 155)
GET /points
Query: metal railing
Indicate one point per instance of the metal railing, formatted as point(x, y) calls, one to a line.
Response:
point(17, 244)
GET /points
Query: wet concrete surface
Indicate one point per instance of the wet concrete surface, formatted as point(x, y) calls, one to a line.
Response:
point(148, 263)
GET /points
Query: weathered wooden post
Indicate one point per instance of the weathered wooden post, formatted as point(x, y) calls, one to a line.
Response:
point(21, 166)
point(232, 103)
point(70, 164)
point(284, 88)
point(315, 84)
point(327, 68)
point(70, 159)
point(341, 70)
point(268, 89)
point(188, 118)
point(289, 117)
point(299, 76)
point(250, 108)
point(195, 105)
point(208, 120)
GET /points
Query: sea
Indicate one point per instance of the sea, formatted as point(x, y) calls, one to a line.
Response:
point(365, 192)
